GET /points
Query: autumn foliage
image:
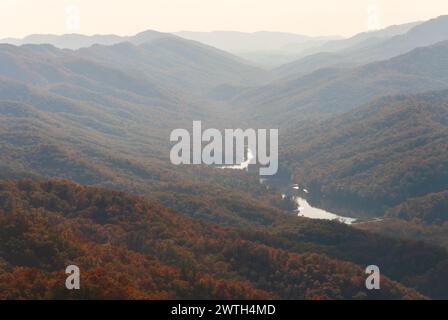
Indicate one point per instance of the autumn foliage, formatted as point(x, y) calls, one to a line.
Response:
point(130, 248)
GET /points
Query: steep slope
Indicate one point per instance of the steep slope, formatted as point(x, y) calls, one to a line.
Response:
point(367, 48)
point(123, 147)
point(167, 63)
point(335, 91)
point(66, 116)
point(364, 38)
point(94, 122)
point(50, 68)
point(330, 53)
point(422, 35)
point(107, 100)
point(377, 156)
point(179, 63)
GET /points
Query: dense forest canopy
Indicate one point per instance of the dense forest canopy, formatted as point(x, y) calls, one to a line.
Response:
point(363, 128)
point(377, 156)
point(128, 247)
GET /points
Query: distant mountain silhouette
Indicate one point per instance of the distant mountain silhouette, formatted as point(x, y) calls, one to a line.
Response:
point(361, 50)
point(77, 41)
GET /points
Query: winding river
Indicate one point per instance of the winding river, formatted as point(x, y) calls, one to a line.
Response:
point(304, 209)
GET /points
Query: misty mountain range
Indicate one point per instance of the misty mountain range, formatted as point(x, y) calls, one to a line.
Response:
point(263, 48)
point(363, 126)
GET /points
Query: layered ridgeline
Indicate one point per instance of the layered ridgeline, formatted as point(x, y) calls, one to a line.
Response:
point(290, 103)
point(368, 47)
point(128, 247)
point(166, 60)
point(78, 41)
point(113, 105)
point(86, 116)
point(377, 156)
point(102, 116)
point(93, 107)
point(268, 49)
point(244, 42)
point(362, 39)
point(265, 48)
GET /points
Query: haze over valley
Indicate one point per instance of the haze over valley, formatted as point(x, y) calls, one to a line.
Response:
point(86, 178)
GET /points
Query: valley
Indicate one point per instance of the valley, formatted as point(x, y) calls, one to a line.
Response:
point(362, 179)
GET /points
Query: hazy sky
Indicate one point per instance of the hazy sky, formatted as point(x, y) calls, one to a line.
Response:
point(125, 17)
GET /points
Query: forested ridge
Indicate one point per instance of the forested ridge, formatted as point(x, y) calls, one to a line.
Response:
point(129, 247)
point(377, 156)
point(365, 140)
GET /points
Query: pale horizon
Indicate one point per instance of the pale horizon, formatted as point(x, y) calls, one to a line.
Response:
point(20, 18)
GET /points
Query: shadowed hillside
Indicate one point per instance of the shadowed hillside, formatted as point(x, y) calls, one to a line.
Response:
point(376, 156)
